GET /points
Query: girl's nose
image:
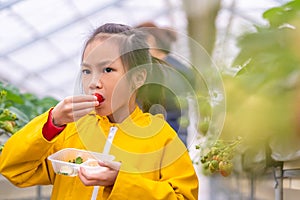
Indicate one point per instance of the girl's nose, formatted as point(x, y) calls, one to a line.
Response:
point(99, 83)
point(96, 82)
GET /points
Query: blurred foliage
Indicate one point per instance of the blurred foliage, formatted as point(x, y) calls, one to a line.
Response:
point(268, 56)
point(17, 108)
point(263, 97)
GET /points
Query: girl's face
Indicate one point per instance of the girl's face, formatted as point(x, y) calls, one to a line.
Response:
point(104, 73)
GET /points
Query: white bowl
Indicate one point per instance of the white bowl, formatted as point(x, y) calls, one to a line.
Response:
point(62, 161)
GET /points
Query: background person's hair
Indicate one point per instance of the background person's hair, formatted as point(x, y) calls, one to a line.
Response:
point(164, 37)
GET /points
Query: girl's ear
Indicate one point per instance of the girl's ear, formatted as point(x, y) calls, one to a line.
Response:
point(139, 78)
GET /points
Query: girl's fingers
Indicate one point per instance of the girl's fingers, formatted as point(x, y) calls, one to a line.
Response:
point(84, 105)
point(84, 98)
point(104, 177)
point(80, 113)
point(85, 179)
point(110, 164)
point(84, 102)
point(89, 179)
point(72, 108)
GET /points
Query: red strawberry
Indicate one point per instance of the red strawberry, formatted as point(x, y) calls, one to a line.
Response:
point(100, 98)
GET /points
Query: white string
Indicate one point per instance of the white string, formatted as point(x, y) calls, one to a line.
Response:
point(110, 138)
point(95, 192)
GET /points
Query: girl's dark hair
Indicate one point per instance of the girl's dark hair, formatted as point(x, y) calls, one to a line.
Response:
point(134, 52)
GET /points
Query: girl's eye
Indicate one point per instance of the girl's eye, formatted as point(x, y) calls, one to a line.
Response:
point(107, 69)
point(86, 71)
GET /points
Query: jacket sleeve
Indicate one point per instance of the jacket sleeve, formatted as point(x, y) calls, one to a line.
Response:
point(177, 180)
point(23, 160)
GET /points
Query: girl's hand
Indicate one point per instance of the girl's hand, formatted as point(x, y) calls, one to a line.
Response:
point(73, 108)
point(104, 177)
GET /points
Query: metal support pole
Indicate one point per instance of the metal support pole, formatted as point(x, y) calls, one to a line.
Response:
point(252, 182)
point(39, 193)
point(278, 176)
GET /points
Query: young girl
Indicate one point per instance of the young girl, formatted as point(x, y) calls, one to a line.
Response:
point(150, 160)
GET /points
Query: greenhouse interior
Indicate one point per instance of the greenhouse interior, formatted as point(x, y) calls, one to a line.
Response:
point(241, 115)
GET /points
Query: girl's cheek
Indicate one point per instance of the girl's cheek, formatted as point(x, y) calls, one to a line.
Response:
point(85, 87)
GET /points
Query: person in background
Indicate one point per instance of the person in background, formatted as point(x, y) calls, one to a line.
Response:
point(160, 41)
point(150, 162)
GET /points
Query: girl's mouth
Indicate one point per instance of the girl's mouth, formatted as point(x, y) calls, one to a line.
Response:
point(100, 98)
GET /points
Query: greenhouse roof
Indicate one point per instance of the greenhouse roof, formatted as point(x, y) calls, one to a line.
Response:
point(41, 41)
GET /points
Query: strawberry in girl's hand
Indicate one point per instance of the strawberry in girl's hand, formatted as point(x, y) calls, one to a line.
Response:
point(100, 98)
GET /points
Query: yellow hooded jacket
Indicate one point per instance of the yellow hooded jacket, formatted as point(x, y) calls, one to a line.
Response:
point(155, 163)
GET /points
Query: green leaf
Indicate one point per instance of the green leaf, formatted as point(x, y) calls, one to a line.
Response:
point(22, 117)
point(283, 14)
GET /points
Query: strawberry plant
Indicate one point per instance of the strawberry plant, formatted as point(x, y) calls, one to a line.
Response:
point(219, 157)
point(17, 109)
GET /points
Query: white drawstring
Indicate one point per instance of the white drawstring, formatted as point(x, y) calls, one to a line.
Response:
point(95, 192)
point(110, 138)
